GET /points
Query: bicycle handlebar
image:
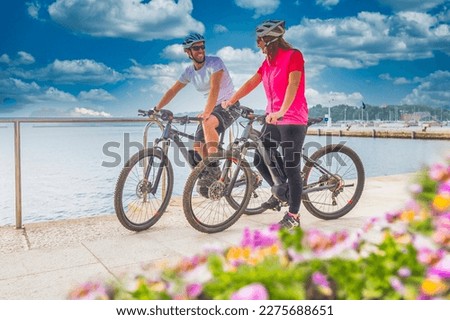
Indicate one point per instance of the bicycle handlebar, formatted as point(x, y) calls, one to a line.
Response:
point(167, 115)
point(249, 114)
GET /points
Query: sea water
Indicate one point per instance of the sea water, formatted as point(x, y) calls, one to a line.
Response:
point(71, 171)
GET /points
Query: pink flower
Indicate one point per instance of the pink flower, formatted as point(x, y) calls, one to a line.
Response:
point(428, 257)
point(397, 285)
point(441, 268)
point(259, 239)
point(254, 291)
point(444, 188)
point(320, 279)
point(404, 272)
point(437, 171)
point(193, 290)
point(415, 188)
point(392, 216)
point(90, 291)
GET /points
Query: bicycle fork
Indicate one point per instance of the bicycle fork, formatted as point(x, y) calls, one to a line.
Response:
point(148, 166)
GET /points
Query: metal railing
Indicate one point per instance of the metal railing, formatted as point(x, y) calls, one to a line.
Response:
point(17, 148)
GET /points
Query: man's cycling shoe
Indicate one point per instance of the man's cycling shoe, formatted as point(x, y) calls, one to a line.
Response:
point(207, 178)
point(271, 204)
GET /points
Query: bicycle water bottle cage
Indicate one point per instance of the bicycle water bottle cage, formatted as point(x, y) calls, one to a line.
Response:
point(166, 115)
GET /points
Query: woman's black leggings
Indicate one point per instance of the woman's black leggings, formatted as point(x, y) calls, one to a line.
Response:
point(290, 138)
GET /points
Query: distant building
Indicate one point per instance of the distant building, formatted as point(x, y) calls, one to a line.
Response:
point(416, 116)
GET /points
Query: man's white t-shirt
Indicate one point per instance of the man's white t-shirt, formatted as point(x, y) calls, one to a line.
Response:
point(201, 79)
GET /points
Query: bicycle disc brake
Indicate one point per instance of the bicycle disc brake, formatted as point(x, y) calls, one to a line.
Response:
point(216, 190)
point(143, 188)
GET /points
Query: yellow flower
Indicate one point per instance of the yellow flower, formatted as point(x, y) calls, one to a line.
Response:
point(432, 286)
point(407, 216)
point(441, 202)
point(233, 253)
point(423, 214)
point(238, 253)
point(158, 286)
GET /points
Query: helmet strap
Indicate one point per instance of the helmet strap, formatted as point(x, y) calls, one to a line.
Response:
point(271, 41)
point(193, 59)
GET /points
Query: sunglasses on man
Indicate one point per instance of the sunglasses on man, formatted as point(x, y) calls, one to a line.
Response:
point(197, 48)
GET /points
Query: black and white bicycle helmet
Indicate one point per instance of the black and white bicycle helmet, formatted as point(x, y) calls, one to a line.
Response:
point(273, 28)
point(191, 39)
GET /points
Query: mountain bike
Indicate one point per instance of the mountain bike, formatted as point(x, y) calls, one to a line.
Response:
point(145, 184)
point(333, 178)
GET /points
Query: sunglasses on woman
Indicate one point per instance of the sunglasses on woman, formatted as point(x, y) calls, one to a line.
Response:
point(197, 48)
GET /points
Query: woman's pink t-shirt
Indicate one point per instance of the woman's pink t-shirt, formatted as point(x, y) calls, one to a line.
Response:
point(275, 78)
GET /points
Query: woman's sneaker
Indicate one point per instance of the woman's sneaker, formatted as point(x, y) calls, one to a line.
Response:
point(289, 222)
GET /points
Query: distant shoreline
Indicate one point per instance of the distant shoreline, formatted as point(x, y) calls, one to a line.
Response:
point(434, 133)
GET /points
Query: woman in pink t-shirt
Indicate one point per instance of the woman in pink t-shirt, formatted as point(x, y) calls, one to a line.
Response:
point(283, 76)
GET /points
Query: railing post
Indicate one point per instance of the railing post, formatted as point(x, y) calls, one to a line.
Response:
point(18, 175)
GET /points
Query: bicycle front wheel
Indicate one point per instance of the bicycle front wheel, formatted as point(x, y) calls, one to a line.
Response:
point(143, 189)
point(333, 182)
point(208, 189)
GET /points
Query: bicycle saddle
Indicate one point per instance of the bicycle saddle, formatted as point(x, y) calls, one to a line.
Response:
point(312, 121)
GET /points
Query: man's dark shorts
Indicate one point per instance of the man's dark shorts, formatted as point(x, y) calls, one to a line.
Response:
point(226, 118)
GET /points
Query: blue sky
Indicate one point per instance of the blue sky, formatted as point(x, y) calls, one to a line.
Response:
point(111, 57)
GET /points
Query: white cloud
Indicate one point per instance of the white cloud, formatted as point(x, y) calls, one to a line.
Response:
point(96, 95)
point(261, 7)
point(73, 71)
point(218, 28)
point(433, 90)
point(12, 87)
point(364, 40)
point(4, 58)
point(413, 5)
point(137, 20)
point(331, 98)
point(174, 51)
point(241, 63)
point(171, 70)
point(327, 3)
point(244, 59)
point(397, 81)
point(85, 112)
point(22, 58)
point(25, 58)
point(56, 95)
point(32, 93)
point(33, 9)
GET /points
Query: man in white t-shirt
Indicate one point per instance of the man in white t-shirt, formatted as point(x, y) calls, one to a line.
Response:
point(209, 76)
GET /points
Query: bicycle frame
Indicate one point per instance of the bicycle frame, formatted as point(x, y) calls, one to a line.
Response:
point(169, 134)
point(276, 172)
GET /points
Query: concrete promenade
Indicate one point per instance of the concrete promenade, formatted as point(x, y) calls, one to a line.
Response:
point(47, 260)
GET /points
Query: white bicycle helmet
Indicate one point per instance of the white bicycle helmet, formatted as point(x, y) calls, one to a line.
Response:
point(273, 28)
point(191, 39)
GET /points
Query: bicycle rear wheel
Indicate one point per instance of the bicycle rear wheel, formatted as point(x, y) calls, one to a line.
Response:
point(331, 196)
point(206, 202)
point(141, 195)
